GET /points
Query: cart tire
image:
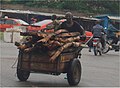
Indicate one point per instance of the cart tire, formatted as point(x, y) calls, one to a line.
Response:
point(23, 75)
point(74, 72)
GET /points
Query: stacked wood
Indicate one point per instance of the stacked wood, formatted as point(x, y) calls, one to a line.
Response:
point(55, 43)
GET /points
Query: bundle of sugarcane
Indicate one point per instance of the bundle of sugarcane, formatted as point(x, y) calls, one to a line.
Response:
point(55, 42)
point(40, 37)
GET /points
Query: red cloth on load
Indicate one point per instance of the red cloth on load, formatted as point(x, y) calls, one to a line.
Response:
point(88, 35)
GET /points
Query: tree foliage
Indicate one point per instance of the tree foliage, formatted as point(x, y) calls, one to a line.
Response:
point(85, 6)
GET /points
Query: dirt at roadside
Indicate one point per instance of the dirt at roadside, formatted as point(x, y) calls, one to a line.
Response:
point(22, 7)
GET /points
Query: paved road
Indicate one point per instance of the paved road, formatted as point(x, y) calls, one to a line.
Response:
point(97, 71)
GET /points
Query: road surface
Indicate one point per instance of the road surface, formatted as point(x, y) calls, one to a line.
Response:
point(97, 71)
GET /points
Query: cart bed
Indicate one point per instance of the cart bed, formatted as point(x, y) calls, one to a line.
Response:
point(40, 63)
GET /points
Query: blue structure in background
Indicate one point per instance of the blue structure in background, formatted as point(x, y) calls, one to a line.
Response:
point(105, 20)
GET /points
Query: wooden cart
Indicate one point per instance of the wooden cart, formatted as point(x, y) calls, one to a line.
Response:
point(67, 62)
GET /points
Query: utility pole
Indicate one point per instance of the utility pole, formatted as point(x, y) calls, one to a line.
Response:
point(0, 8)
point(1, 4)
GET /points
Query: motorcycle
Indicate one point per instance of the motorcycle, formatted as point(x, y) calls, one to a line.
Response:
point(115, 47)
point(97, 47)
point(112, 46)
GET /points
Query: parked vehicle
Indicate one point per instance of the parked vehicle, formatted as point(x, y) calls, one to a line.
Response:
point(39, 25)
point(42, 25)
point(10, 23)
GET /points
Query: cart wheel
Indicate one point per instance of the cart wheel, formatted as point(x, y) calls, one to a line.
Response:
point(74, 72)
point(23, 75)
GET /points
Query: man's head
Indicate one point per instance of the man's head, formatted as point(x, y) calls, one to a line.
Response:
point(69, 17)
point(98, 22)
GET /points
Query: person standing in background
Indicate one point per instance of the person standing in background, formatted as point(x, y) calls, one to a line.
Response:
point(55, 23)
point(33, 20)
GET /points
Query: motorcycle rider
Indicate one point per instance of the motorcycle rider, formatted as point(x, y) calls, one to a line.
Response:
point(55, 23)
point(98, 31)
point(111, 32)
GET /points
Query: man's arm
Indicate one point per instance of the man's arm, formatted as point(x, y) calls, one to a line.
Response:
point(112, 28)
point(82, 30)
point(82, 33)
point(62, 25)
point(103, 30)
point(79, 28)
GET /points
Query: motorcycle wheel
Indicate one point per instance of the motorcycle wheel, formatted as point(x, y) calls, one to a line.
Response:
point(100, 49)
point(107, 48)
point(100, 53)
point(95, 50)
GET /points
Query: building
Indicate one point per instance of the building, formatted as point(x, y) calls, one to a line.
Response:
point(86, 22)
